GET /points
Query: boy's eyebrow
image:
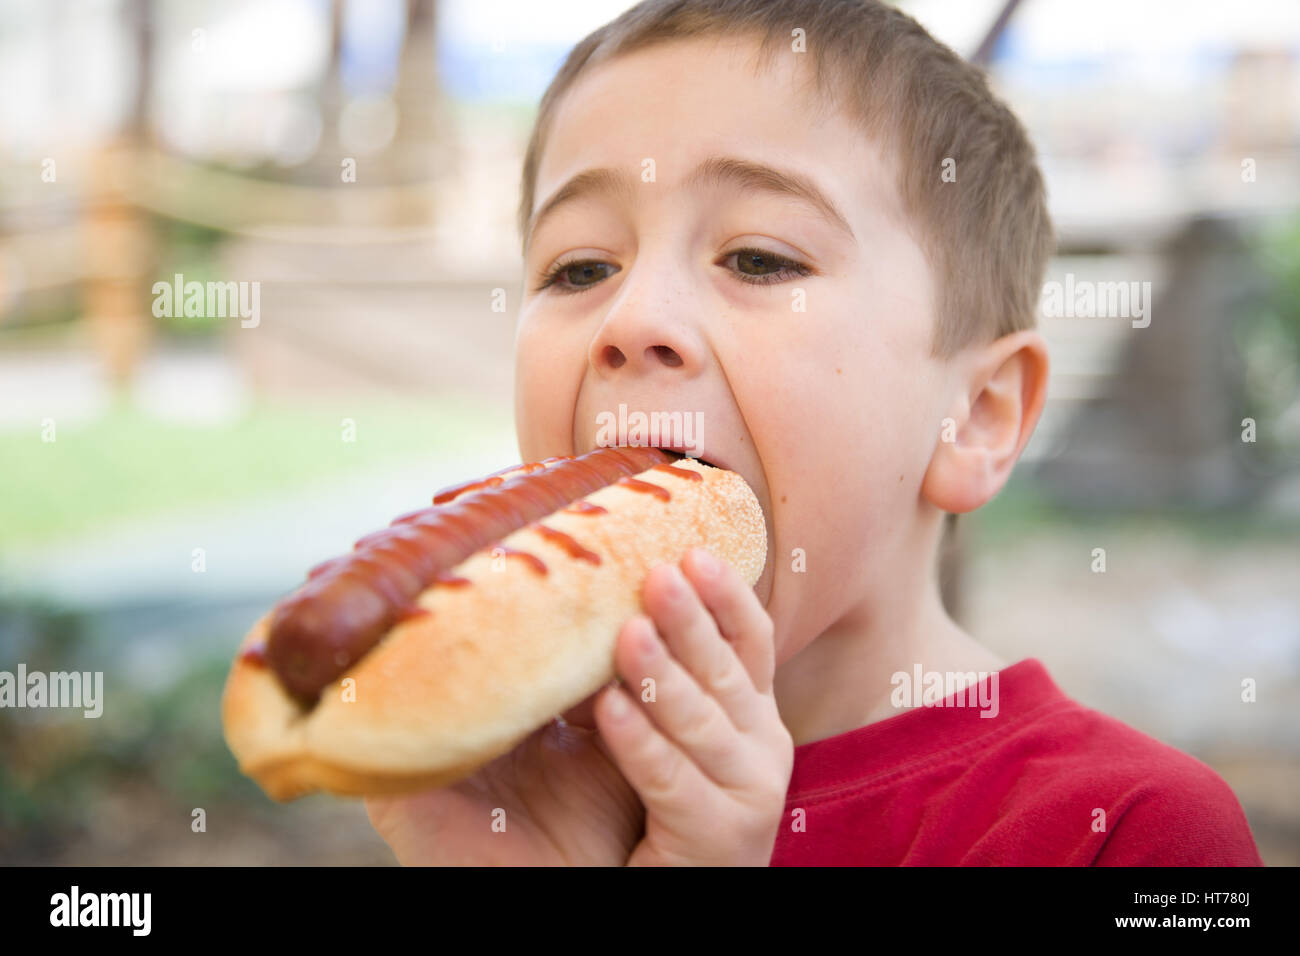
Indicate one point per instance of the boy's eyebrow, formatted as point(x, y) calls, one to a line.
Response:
point(716, 170)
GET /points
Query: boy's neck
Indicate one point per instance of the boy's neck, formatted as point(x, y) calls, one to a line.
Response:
point(841, 680)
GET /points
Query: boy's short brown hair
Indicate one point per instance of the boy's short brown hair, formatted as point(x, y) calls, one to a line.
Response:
point(987, 235)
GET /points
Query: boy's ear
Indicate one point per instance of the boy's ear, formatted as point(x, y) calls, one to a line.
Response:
point(1003, 387)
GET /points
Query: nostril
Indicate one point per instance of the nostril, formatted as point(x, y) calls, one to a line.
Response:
point(666, 355)
point(614, 357)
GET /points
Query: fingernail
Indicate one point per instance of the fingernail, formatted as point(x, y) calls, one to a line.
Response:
point(707, 564)
point(648, 642)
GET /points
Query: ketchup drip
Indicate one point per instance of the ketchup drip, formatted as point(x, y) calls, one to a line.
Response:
point(680, 472)
point(650, 487)
point(567, 543)
point(350, 602)
point(532, 560)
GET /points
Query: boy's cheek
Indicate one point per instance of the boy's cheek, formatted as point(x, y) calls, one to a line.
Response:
point(831, 546)
point(543, 396)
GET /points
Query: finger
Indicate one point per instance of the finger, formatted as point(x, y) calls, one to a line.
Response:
point(662, 776)
point(678, 707)
point(740, 617)
point(688, 629)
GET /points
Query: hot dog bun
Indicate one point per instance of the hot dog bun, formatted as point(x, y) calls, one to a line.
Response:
point(444, 693)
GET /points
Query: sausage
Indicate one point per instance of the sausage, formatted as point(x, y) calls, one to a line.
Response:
point(349, 603)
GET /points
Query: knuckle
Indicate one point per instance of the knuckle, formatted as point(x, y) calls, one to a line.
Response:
point(734, 690)
point(785, 738)
point(785, 750)
point(663, 776)
point(773, 803)
point(763, 817)
point(722, 674)
point(717, 725)
point(707, 725)
point(774, 790)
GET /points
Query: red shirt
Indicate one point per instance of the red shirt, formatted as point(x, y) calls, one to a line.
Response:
point(943, 786)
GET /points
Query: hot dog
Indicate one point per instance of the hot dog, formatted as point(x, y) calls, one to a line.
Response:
point(441, 641)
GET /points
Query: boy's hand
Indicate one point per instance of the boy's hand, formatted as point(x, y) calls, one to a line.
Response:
point(559, 797)
point(696, 731)
point(556, 799)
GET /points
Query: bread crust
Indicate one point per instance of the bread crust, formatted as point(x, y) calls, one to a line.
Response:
point(444, 693)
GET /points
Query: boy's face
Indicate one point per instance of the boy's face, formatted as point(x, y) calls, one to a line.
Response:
point(817, 388)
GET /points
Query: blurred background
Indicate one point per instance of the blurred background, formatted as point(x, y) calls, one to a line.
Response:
point(165, 478)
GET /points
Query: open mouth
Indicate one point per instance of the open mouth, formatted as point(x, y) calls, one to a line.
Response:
point(678, 454)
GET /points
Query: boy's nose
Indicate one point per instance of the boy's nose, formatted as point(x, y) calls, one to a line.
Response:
point(636, 339)
point(614, 358)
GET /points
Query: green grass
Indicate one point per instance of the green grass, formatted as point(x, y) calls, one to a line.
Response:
point(126, 464)
point(1021, 509)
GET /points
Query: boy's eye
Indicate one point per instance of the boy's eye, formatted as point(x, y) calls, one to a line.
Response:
point(756, 265)
point(583, 274)
point(576, 276)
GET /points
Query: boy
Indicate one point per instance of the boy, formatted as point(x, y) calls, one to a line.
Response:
point(812, 225)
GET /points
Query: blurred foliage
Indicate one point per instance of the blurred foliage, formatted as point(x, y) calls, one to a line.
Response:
point(53, 763)
point(190, 250)
point(1267, 337)
point(1024, 509)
